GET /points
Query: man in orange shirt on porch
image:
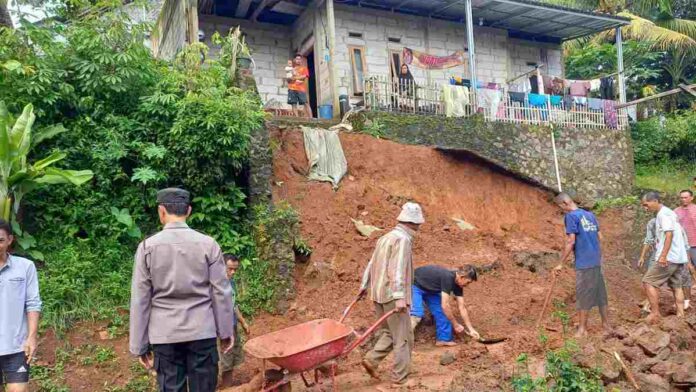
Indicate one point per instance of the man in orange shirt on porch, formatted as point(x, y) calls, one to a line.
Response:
point(297, 92)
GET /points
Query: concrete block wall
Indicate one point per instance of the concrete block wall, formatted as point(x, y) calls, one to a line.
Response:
point(498, 57)
point(523, 52)
point(270, 46)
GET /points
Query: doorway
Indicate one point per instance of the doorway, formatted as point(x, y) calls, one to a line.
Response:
point(312, 85)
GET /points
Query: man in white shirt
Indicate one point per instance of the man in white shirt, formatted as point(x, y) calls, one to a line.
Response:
point(671, 256)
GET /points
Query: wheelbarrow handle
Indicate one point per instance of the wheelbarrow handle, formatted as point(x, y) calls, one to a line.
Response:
point(350, 307)
point(361, 338)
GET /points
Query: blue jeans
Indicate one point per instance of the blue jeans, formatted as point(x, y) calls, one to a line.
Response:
point(443, 327)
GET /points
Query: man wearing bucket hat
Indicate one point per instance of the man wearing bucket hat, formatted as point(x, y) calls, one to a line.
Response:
point(181, 301)
point(388, 279)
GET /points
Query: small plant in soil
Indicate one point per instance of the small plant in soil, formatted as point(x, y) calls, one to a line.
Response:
point(104, 354)
point(562, 373)
point(302, 249)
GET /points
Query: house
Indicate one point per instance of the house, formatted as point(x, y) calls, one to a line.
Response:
point(356, 45)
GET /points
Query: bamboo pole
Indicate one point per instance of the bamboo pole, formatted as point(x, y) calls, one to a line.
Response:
point(660, 95)
point(627, 371)
point(331, 27)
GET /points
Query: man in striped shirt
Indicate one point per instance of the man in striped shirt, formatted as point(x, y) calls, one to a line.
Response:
point(388, 279)
point(686, 213)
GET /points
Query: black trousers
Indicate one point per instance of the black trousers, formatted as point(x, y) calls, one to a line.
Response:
point(187, 366)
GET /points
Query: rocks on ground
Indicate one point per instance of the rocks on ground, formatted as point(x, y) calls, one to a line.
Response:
point(536, 261)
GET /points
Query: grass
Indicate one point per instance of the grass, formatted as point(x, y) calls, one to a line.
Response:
point(670, 177)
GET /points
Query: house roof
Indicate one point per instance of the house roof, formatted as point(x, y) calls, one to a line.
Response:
point(526, 19)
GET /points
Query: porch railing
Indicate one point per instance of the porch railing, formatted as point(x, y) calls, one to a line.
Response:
point(383, 94)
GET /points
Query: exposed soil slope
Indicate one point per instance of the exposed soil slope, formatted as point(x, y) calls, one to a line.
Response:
point(510, 216)
point(512, 221)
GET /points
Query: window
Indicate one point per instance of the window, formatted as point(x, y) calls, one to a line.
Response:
point(394, 40)
point(355, 35)
point(357, 60)
point(395, 63)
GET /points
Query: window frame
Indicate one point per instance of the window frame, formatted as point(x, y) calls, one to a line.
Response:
point(395, 70)
point(354, 76)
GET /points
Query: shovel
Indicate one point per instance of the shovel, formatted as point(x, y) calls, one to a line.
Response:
point(487, 340)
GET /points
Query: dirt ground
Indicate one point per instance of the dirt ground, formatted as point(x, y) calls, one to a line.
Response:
point(509, 217)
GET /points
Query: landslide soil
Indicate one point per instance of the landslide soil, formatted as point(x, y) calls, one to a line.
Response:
point(510, 216)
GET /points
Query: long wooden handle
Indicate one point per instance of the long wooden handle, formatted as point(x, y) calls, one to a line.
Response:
point(546, 301)
point(349, 308)
point(627, 371)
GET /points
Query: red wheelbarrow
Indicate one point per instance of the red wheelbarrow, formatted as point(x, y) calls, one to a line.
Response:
point(309, 346)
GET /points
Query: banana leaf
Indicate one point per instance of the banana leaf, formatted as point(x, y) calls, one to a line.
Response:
point(47, 133)
point(49, 160)
point(17, 177)
point(60, 176)
point(5, 158)
point(20, 135)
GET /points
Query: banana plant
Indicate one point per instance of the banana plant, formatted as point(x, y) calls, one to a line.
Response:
point(18, 176)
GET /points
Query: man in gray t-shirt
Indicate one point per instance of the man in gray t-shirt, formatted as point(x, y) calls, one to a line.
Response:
point(20, 306)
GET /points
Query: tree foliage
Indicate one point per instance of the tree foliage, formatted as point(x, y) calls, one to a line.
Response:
point(139, 124)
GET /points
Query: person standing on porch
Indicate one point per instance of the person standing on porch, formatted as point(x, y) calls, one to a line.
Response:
point(582, 239)
point(297, 86)
point(181, 301)
point(388, 279)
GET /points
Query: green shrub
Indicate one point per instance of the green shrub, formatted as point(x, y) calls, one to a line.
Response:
point(139, 124)
point(660, 139)
point(669, 177)
point(605, 204)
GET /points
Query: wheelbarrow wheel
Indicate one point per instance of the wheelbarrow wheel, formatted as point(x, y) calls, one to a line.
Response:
point(276, 381)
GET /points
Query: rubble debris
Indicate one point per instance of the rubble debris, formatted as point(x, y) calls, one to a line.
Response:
point(536, 261)
point(364, 229)
point(651, 341)
point(447, 358)
point(464, 225)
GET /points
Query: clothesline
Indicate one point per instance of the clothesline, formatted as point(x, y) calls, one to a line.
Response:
point(524, 74)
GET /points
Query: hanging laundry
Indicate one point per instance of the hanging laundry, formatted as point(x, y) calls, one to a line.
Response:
point(492, 86)
point(535, 84)
point(520, 86)
point(595, 104)
point(595, 84)
point(632, 113)
point(548, 83)
point(580, 100)
point(537, 100)
point(579, 88)
point(568, 102)
point(606, 88)
point(459, 81)
point(610, 116)
point(556, 100)
point(516, 97)
point(456, 100)
point(489, 100)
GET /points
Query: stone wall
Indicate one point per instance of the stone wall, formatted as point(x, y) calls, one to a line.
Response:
point(594, 163)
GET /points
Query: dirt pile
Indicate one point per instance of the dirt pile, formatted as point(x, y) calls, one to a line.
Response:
point(517, 234)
